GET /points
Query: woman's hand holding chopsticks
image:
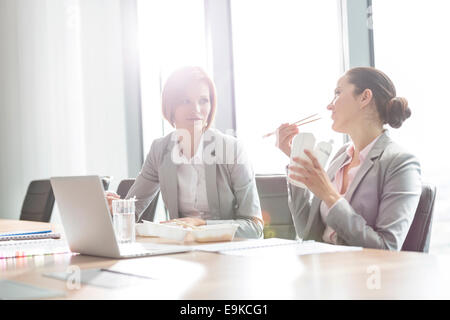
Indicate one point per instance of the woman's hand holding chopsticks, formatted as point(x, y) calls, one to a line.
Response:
point(285, 133)
point(299, 123)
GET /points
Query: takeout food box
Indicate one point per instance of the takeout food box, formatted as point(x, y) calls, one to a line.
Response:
point(208, 233)
point(215, 232)
point(163, 230)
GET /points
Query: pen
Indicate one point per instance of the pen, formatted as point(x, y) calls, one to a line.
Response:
point(24, 233)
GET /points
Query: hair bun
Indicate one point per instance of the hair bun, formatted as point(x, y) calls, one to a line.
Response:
point(397, 112)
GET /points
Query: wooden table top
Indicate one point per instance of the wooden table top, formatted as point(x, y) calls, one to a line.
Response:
point(366, 274)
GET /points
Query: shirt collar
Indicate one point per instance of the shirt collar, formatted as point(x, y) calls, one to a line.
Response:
point(364, 152)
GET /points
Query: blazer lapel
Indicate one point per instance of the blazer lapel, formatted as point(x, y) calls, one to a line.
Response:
point(209, 153)
point(365, 167)
point(169, 183)
point(336, 164)
point(315, 204)
point(374, 153)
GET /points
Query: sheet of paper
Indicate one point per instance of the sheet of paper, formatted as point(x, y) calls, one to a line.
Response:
point(12, 290)
point(245, 244)
point(311, 247)
point(102, 278)
point(297, 248)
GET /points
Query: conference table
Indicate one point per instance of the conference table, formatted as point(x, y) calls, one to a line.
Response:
point(198, 275)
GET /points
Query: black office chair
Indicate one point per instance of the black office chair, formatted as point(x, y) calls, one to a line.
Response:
point(419, 234)
point(149, 213)
point(39, 201)
point(105, 182)
point(273, 197)
point(123, 187)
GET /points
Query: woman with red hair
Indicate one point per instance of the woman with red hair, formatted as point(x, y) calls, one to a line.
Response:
point(204, 175)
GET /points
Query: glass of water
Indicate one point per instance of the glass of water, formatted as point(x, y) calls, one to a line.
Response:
point(123, 218)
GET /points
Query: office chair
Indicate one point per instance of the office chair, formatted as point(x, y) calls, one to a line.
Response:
point(149, 213)
point(105, 182)
point(38, 202)
point(419, 234)
point(273, 197)
point(123, 187)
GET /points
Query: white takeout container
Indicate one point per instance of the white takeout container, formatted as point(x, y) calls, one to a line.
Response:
point(163, 230)
point(147, 229)
point(215, 232)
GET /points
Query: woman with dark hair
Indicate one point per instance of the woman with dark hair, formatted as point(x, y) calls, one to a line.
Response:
point(372, 188)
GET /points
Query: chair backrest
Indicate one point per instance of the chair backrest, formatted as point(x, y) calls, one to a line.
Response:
point(124, 186)
point(419, 234)
point(149, 213)
point(105, 182)
point(39, 201)
point(273, 196)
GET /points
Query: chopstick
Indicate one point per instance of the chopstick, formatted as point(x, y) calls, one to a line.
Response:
point(297, 123)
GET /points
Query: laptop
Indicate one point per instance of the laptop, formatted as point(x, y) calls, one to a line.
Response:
point(88, 223)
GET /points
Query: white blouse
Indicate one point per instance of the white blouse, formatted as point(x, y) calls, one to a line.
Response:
point(192, 196)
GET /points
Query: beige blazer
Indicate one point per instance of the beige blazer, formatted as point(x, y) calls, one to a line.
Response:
point(230, 182)
point(379, 205)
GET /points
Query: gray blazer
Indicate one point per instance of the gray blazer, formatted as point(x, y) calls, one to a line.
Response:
point(379, 205)
point(230, 182)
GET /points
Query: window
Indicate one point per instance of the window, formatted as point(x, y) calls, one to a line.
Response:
point(283, 72)
point(410, 46)
point(171, 35)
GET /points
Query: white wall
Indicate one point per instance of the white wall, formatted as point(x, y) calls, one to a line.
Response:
point(61, 94)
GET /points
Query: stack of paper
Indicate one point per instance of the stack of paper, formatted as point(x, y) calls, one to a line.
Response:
point(24, 248)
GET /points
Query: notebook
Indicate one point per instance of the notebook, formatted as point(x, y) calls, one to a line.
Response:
point(25, 248)
point(29, 236)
